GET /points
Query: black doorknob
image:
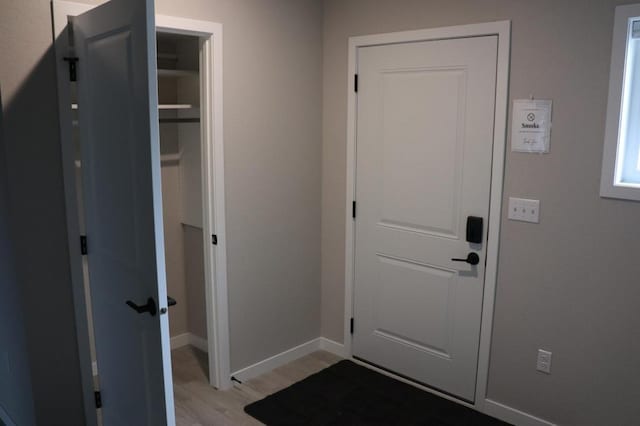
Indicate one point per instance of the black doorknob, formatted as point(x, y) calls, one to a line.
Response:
point(472, 259)
point(149, 307)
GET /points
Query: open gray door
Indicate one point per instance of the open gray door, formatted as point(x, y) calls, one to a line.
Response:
point(118, 119)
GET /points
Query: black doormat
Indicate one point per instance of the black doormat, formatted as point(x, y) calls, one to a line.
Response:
point(349, 394)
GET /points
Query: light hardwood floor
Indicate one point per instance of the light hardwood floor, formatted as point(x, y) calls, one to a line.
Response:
point(197, 403)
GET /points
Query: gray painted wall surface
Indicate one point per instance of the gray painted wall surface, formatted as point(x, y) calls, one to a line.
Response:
point(37, 211)
point(194, 281)
point(569, 284)
point(184, 261)
point(174, 248)
point(16, 397)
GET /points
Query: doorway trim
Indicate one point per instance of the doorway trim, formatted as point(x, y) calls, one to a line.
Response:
point(501, 29)
point(213, 191)
point(213, 194)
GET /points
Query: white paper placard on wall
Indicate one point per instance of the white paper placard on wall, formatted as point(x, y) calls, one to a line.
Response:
point(531, 126)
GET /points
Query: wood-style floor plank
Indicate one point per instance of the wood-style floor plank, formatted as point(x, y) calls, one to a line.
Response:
point(199, 404)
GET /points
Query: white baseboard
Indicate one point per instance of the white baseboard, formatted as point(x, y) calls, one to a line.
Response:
point(511, 415)
point(321, 343)
point(277, 360)
point(185, 339)
point(332, 347)
point(198, 342)
point(179, 341)
point(4, 417)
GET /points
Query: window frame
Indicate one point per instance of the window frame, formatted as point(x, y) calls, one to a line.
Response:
point(608, 185)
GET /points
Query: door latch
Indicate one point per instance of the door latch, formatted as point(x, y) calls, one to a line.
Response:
point(149, 307)
point(472, 259)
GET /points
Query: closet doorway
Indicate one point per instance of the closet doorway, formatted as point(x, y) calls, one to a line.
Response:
point(187, 177)
point(182, 188)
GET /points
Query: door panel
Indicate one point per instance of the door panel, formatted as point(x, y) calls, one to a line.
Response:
point(407, 160)
point(393, 310)
point(117, 106)
point(424, 143)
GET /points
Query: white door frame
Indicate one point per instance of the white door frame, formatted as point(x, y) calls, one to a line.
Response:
point(502, 30)
point(213, 195)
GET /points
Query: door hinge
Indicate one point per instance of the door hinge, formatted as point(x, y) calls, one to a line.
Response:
point(98, 397)
point(83, 244)
point(355, 83)
point(351, 326)
point(214, 239)
point(353, 210)
point(73, 67)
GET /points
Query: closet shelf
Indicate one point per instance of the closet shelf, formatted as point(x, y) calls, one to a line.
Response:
point(163, 72)
point(174, 120)
point(170, 56)
point(176, 106)
point(166, 120)
point(160, 106)
point(180, 114)
point(164, 159)
point(180, 120)
point(170, 158)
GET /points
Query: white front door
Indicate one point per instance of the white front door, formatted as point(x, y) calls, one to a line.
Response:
point(118, 119)
point(424, 142)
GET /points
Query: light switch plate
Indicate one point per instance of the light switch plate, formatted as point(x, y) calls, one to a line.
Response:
point(524, 210)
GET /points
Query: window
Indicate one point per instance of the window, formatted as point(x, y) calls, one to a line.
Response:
point(621, 160)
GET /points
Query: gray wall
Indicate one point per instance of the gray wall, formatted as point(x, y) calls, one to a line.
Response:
point(194, 281)
point(174, 248)
point(16, 398)
point(37, 213)
point(569, 284)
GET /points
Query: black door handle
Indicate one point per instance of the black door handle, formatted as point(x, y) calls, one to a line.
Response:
point(149, 307)
point(472, 259)
point(171, 301)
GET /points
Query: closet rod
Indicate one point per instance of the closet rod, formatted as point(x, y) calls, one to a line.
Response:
point(170, 56)
point(179, 120)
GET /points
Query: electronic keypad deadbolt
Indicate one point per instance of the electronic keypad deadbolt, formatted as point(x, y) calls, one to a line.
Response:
point(474, 229)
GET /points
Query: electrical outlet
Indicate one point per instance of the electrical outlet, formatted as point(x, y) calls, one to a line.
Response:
point(544, 361)
point(524, 210)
